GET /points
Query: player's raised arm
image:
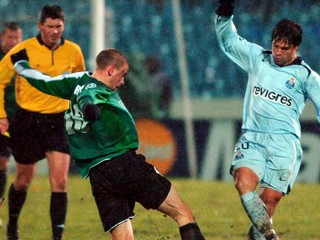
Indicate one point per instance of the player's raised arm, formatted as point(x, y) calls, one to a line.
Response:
point(237, 48)
point(20, 60)
point(44, 83)
point(225, 8)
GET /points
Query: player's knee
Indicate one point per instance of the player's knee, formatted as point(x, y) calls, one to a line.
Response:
point(4, 163)
point(245, 180)
point(20, 184)
point(59, 184)
point(123, 231)
point(244, 186)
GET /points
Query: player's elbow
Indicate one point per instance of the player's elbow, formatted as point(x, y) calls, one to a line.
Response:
point(91, 112)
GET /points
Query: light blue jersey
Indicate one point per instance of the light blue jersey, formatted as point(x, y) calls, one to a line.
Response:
point(275, 96)
point(274, 100)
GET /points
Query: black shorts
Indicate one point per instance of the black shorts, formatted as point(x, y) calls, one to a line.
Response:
point(33, 134)
point(4, 146)
point(120, 182)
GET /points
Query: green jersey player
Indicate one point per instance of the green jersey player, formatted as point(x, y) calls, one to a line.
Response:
point(103, 139)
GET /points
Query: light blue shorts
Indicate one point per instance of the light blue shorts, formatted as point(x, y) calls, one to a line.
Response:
point(275, 158)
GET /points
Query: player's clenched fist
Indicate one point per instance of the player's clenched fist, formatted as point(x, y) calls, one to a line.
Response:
point(225, 8)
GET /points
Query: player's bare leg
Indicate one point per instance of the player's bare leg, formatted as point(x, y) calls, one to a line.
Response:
point(123, 231)
point(246, 181)
point(174, 207)
point(271, 198)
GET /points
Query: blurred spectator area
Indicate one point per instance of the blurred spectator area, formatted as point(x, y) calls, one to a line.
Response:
point(146, 27)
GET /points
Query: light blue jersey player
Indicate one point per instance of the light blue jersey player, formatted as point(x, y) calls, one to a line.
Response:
point(279, 83)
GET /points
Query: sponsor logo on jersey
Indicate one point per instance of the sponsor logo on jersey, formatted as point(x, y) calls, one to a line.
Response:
point(273, 96)
point(78, 89)
point(290, 83)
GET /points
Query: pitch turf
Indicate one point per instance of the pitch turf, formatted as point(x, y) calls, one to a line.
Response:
point(215, 205)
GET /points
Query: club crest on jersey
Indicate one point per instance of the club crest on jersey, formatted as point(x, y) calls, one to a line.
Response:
point(238, 154)
point(91, 85)
point(290, 83)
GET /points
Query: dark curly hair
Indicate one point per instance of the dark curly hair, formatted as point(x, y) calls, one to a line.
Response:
point(289, 31)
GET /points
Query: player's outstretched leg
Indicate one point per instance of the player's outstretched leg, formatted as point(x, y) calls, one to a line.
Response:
point(257, 212)
point(174, 207)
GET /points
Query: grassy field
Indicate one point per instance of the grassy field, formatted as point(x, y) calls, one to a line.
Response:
point(215, 205)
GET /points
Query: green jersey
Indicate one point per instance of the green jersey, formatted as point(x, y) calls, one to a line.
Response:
point(91, 142)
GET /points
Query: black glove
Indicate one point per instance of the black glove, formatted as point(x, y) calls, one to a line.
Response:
point(21, 55)
point(225, 8)
point(91, 112)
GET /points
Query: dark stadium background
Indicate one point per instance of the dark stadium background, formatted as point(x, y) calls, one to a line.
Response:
point(143, 27)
